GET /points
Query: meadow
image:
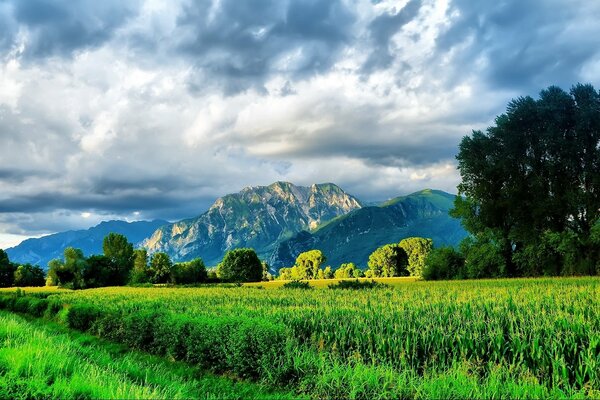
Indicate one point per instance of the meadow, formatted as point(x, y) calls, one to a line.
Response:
point(525, 338)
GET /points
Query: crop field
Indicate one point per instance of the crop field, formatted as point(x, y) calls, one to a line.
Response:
point(519, 338)
point(43, 360)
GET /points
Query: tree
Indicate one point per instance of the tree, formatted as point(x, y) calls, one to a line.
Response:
point(443, 263)
point(29, 275)
point(328, 272)
point(348, 270)
point(240, 265)
point(97, 271)
point(52, 277)
point(534, 172)
point(120, 252)
point(309, 263)
point(7, 270)
point(388, 260)
point(417, 249)
point(67, 273)
point(140, 272)
point(189, 272)
point(160, 268)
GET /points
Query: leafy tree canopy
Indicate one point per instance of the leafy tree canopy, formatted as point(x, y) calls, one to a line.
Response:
point(240, 265)
point(387, 261)
point(532, 175)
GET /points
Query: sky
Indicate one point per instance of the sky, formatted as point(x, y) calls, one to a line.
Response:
point(145, 109)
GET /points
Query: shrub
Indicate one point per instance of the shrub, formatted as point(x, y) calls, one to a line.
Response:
point(296, 285)
point(81, 317)
point(444, 263)
point(357, 285)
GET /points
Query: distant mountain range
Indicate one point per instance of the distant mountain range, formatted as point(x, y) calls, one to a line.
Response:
point(279, 221)
point(41, 250)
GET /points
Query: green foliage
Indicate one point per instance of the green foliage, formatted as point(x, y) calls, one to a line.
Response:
point(387, 261)
point(29, 275)
point(532, 175)
point(240, 265)
point(68, 273)
point(444, 263)
point(417, 249)
point(140, 273)
point(190, 272)
point(97, 272)
point(296, 285)
point(483, 258)
point(118, 249)
point(7, 270)
point(348, 270)
point(308, 264)
point(357, 285)
point(43, 360)
point(160, 268)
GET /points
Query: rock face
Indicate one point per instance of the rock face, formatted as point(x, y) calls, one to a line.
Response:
point(354, 236)
point(257, 217)
point(41, 250)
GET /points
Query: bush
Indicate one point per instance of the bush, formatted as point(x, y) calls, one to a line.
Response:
point(81, 317)
point(357, 285)
point(444, 263)
point(296, 285)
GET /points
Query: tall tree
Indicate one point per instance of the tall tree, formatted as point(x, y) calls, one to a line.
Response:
point(417, 249)
point(140, 272)
point(118, 249)
point(536, 171)
point(387, 261)
point(7, 270)
point(161, 268)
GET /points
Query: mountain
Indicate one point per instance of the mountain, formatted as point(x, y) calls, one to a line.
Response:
point(257, 217)
point(41, 250)
point(354, 236)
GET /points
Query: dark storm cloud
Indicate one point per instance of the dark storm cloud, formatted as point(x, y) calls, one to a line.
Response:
point(527, 45)
point(149, 120)
point(243, 42)
point(60, 27)
point(381, 30)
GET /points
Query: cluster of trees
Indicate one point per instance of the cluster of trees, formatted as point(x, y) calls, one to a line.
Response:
point(120, 265)
point(530, 191)
point(12, 274)
point(406, 258)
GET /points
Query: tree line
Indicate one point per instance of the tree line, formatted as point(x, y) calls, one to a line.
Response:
point(406, 258)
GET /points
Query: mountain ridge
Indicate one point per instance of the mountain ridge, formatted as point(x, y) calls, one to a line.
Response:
point(353, 236)
point(41, 250)
point(257, 216)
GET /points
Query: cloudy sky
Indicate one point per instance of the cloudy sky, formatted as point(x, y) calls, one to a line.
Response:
point(144, 109)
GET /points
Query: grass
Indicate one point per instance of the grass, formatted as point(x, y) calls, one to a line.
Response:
point(524, 338)
point(43, 360)
point(325, 283)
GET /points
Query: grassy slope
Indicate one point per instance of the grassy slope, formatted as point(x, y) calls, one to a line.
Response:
point(43, 360)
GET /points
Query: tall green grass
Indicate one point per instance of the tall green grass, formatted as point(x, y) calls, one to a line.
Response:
point(40, 360)
point(497, 338)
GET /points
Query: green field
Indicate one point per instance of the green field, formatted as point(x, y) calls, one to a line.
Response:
point(43, 360)
point(525, 338)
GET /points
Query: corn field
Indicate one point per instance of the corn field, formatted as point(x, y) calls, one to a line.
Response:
point(496, 338)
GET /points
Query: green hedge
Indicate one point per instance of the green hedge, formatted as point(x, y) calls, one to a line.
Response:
point(246, 347)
